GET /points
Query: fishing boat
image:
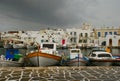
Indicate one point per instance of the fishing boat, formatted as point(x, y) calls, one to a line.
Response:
point(7, 44)
point(18, 43)
point(31, 46)
point(117, 59)
point(100, 58)
point(47, 55)
point(76, 58)
point(12, 58)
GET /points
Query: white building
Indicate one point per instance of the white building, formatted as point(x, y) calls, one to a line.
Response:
point(113, 40)
point(108, 36)
point(52, 35)
point(82, 36)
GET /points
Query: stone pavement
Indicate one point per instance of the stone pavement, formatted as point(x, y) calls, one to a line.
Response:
point(82, 73)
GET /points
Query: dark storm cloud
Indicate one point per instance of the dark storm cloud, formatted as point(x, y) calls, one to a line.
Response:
point(42, 11)
point(33, 14)
point(53, 12)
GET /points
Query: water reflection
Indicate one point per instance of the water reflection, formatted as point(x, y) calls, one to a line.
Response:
point(87, 51)
point(115, 50)
point(66, 51)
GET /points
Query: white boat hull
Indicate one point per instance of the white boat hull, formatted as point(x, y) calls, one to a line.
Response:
point(77, 62)
point(43, 59)
point(18, 46)
point(101, 62)
point(8, 46)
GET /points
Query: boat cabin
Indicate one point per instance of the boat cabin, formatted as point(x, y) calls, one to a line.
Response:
point(48, 45)
point(75, 53)
point(48, 48)
point(100, 55)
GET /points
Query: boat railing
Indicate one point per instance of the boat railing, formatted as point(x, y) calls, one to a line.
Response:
point(2, 57)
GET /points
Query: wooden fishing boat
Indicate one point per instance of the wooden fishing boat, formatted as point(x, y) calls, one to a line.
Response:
point(46, 56)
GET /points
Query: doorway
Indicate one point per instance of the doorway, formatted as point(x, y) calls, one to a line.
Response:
point(119, 42)
point(110, 42)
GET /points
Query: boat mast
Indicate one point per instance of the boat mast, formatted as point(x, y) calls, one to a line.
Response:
point(38, 53)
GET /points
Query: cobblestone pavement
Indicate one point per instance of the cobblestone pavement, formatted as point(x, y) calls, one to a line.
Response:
point(82, 73)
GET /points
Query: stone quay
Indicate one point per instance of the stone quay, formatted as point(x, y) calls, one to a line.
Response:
point(60, 73)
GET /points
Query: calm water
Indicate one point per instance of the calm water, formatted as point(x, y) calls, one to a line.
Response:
point(66, 51)
point(86, 51)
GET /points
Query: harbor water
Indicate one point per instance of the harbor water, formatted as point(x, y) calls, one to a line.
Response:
point(115, 51)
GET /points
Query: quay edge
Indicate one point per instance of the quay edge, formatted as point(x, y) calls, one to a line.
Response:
point(56, 67)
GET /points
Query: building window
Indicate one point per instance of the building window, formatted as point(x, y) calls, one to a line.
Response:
point(74, 39)
point(53, 40)
point(74, 33)
point(81, 34)
point(46, 41)
point(71, 39)
point(80, 41)
point(99, 34)
point(42, 36)
point(84, 41)
point(92, 41)
point(86, 35)
point(70, 33)
point(110, 33)
point(106, 34)
point(42, 40)
point(58, 33)
point(115, 33)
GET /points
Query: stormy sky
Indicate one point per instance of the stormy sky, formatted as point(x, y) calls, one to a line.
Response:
point(37, 14)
